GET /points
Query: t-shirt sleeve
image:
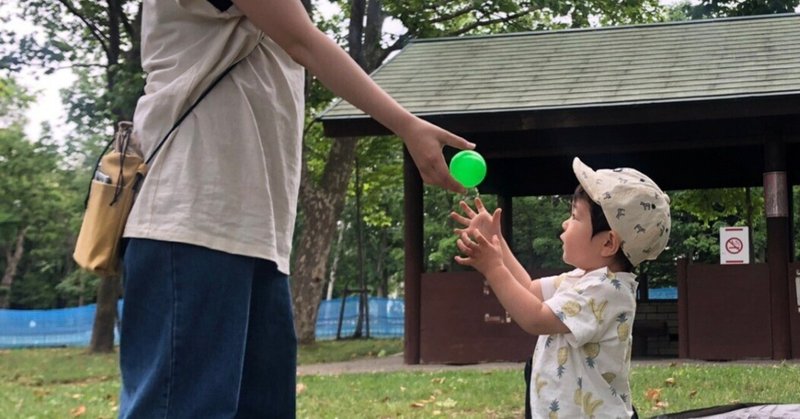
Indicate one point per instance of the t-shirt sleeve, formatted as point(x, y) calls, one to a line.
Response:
point(583, 310)
point(222, 9)
point(548, 287)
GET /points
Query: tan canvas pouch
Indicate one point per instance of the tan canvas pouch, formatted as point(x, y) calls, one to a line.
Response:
point(111, 195)
point(117, 177)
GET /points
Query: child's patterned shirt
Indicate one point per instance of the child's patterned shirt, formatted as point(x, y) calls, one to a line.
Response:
point(585, 373)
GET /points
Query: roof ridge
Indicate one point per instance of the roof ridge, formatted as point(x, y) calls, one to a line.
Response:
point(608, 28)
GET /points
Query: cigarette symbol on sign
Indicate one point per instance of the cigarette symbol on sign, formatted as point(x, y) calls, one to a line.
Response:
point(734, 245)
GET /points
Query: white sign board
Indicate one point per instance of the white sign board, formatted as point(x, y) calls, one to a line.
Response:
point(734, 245)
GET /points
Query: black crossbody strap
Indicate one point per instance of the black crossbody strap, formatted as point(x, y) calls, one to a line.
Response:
point(188, 111)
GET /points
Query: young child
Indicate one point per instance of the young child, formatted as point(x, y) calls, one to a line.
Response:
point(581, 363)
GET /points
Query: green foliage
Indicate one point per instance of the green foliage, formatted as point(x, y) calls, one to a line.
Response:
point(14, 100)
point(39, 204)
point(100, 42)
point(347, 350)
point(537, 226)
point(708, 9)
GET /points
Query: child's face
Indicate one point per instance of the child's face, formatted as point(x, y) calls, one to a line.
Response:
point(581, 250)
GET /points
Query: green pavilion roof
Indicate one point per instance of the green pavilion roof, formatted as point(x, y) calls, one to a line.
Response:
point(584, 68)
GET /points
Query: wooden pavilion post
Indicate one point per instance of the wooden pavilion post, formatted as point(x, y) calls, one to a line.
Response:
point(682, 265)
point(776, 201)
point(414, 253)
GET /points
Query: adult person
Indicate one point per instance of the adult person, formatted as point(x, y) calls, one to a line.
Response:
point(207, 325)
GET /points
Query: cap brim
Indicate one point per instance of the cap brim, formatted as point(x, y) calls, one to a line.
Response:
point(585, 174)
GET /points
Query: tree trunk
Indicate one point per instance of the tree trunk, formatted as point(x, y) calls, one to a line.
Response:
point(321, 206)
point(13, 256)
point(105, 316)
point(332, 281)
point(380, 264)
point(109, 289)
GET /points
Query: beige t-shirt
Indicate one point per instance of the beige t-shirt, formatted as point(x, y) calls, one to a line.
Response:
point(585, 373)
point(228, 178)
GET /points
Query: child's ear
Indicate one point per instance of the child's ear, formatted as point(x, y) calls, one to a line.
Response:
point(612, 244)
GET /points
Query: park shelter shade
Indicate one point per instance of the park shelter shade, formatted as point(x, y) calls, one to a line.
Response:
point(699, 104)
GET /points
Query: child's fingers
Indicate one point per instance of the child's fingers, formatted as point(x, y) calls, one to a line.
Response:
point(466, 240)
point(463, 247)
point(467, 210)
point(496, 223)
point(459, 218)
point(461, 260)
point(479, 205)
point(480, 239)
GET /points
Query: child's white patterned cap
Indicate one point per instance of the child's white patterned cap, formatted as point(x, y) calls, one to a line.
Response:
point(636, 208)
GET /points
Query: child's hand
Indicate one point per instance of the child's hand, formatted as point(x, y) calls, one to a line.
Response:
point(487, 224)
point(480, 253)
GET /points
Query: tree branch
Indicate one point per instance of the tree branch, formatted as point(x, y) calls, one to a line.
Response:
point(481, 23)
point(92, 27)
point(457, 13)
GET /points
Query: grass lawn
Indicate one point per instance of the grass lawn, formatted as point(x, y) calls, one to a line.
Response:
point(67, 383)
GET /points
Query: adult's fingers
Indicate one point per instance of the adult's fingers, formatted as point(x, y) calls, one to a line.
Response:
point(457, 141)
point(433, 171)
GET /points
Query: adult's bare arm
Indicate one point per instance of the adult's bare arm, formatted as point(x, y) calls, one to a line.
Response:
point(286, 22)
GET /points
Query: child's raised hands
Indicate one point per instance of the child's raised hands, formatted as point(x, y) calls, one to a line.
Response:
point(480, 253)
point(487, 224)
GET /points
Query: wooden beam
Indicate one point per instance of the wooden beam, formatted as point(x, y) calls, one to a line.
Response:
point(468, 123)
point(776, 193)
point(414, 253)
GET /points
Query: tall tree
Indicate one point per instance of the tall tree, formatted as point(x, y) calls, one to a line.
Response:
point(34, 203)
point(100, 41)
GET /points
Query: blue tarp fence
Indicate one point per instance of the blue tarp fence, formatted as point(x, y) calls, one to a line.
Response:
point(386, 318)
point(73, 326)
point(669, 293)
point(53, 327)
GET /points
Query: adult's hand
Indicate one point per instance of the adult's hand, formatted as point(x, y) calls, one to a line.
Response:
point(425, 142)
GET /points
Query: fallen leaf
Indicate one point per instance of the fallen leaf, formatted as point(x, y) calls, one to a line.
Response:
point(417, 404)
point(437, 380)
point(300, 388)
point(653, 395)
point(670, 381)
point(78, 411)
point(692, 393)
point(402, 388)
point(447, 403)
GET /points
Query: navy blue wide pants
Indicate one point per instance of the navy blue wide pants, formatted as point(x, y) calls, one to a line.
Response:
point(205, 334)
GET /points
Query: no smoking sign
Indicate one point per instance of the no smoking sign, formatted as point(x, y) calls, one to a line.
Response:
point(734, 245)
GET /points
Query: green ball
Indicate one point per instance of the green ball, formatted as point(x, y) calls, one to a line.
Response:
point(468, 168)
